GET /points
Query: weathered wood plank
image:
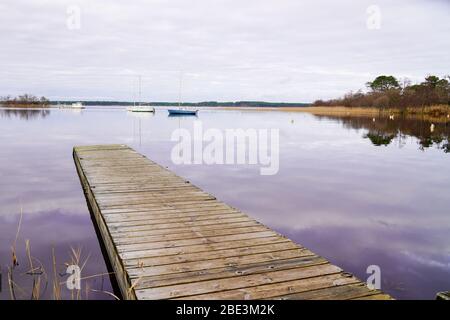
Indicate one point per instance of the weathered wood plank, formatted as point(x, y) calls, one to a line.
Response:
point(166, 214)
point(242, 282)
point(188, 236)
point(136, 271)
point(151, 219)
point(190, 256)
point(346, 292)
point(183, 228)
point(127, 253)
point(275, 290)
point(228, 272)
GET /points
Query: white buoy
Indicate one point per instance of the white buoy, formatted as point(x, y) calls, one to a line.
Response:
point(432, 127)
point(373, 119)
point(391, 117)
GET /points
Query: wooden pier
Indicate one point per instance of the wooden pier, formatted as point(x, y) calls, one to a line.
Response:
point(168, 239)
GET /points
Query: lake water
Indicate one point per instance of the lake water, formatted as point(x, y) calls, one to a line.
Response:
point(355, 191)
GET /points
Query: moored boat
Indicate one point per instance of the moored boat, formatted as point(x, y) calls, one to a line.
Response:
point(75, 105)
point(182, 112)
point(141, 109)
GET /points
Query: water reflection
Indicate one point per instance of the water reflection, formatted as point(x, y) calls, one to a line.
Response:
point(379, 138)
point(336, 193)
point(24, 114)
point(383, 131)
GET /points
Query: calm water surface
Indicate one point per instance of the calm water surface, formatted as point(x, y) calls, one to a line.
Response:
point(355, 191)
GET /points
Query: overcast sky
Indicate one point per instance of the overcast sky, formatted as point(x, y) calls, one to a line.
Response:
point(273, 50)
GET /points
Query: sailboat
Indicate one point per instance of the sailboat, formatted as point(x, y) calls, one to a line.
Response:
point(75, 105)
point(139, 107)
point(173, 112)
point(179, 111)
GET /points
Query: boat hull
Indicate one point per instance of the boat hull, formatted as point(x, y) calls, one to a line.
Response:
point(182, 112)
point(140, 109)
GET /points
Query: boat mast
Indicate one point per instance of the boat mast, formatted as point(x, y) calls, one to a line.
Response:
point(140, 77)
point(179, 90)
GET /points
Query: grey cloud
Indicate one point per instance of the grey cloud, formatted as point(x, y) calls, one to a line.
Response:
point(276, 50)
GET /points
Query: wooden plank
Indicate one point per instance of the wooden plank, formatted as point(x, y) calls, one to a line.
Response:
point(151, 220)
point(275, 290)
point(166, 214)
point(187, 207)
point(346, 292)
point(228, 271)
point(244, 281)
point(210, 228)
point(165, 240)
point(142, 259)
point(168, 239)
point(137, 272)
point(378, 296)
point(208, 247)
point(224, 222)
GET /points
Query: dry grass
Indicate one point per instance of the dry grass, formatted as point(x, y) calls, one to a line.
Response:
point(439, 113)
point(24, 105)
point(56, 286)
point(39, 278)
point(15, 262)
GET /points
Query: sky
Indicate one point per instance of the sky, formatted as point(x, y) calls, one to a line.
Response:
point(221, 50)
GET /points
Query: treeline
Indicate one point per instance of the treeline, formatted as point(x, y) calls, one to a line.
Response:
point(261, 104)
point(388, 92)
point(24, 100)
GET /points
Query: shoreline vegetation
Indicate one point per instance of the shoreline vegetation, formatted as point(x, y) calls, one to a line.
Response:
point(440, 113)
point(386, 92)
point(387, 96)
point(24, 101)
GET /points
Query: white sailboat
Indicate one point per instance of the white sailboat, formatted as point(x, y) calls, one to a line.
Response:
point(139, 107)
point(75, 105)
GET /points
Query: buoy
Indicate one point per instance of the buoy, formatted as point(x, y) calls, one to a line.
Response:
point(391, 117)
point(432, 127)
point(373, 119)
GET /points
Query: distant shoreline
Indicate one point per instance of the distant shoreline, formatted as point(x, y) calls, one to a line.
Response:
point(441, 112)
point(438, 112)
point(212, 104)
